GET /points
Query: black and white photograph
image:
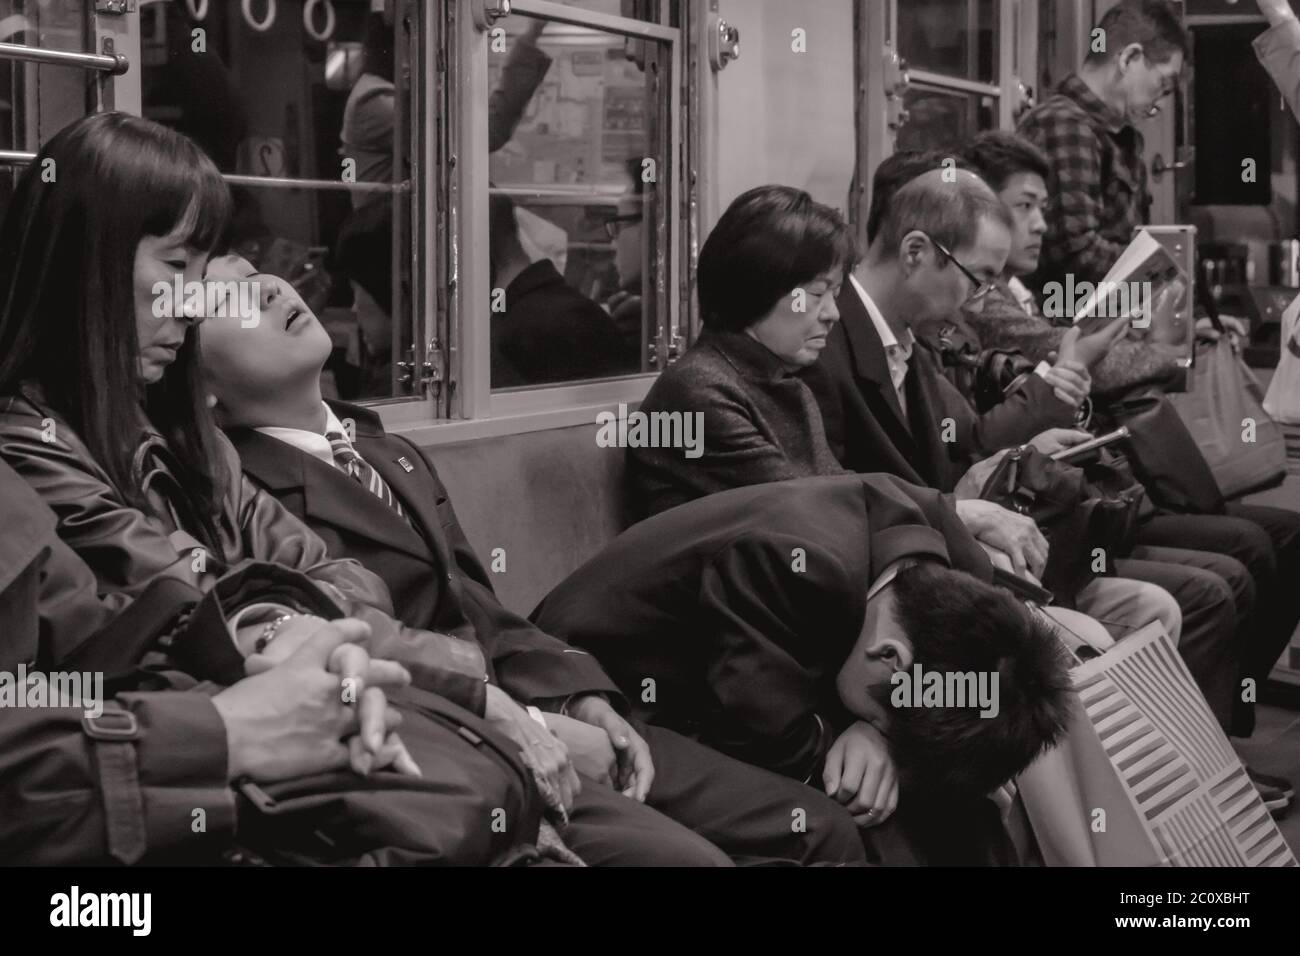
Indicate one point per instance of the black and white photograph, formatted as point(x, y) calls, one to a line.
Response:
point(856, 435)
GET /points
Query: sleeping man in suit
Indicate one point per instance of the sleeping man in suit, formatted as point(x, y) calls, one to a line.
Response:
point(791, 624)
point(376, 498)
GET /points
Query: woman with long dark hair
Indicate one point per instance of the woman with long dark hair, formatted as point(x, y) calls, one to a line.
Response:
point(101, 408)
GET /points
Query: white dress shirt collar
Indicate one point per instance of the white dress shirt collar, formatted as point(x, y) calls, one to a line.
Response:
point(314, 444)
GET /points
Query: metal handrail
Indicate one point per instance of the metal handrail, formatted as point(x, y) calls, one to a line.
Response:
point(285, 182)
point(114, 64)
point(13, 157)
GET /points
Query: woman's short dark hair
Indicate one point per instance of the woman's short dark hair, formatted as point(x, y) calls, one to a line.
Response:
point(997, 155)
point(771, 240)
point(67, 297)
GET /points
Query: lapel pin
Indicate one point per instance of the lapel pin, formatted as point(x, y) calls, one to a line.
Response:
point(406, 465)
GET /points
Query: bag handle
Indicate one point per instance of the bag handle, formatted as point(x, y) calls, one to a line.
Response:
point(1202, 287)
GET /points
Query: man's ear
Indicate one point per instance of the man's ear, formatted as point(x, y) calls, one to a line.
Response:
point(1128, 55)
point(911, 249)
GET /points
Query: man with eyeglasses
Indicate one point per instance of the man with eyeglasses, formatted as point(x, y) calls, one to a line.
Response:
point(938, 243)
point(1088, 129)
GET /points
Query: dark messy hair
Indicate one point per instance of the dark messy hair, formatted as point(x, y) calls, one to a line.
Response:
point(771, 240)
point(67, 300)
point(957, 623)
point(997, 155)
point(1153, 23)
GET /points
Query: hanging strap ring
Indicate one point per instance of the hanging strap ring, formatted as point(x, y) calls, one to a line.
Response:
point(328, 30)
point(246, 6)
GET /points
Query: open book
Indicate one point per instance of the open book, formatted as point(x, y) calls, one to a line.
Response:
point(1145, 283)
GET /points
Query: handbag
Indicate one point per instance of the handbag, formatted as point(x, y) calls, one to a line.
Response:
point(1223, 405)
point(1076, 517)
point(1283, 398)
point(984, 376)
point(475, 805)
point(1162, 452)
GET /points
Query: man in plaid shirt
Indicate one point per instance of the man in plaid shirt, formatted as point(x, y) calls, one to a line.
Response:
point(1088, 129)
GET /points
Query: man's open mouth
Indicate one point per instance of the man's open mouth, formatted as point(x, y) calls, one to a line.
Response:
point(293, 316)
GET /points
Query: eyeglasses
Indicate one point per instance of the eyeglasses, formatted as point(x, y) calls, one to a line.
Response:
point(982, 288)
point(615, 224)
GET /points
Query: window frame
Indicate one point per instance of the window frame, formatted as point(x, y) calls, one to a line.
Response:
point(876, 28)
point(469, 407)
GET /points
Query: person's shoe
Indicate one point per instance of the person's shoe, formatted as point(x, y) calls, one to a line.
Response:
point(1276, 792)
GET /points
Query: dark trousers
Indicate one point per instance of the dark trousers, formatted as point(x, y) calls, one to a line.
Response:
point(754, 815)
point(608, 829)
point(708, 809)
point(1267, 542)
point(1204, 585)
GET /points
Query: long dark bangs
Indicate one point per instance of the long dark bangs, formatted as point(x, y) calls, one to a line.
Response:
point(67, 305)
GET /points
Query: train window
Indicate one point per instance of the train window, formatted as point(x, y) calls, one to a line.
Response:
point(952, 68)
point(36, 99)
point(305, 105)
point(575, 137)
point(956, 38)
point(944, 119)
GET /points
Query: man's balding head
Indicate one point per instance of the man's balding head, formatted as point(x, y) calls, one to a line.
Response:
point(948, 205)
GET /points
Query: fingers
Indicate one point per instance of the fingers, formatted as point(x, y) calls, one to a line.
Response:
point(360, 758)
point(570, 785)
point(350, 663)
point(1115, 331)
point(373, 713)
point(643, 768)
point(387, 675)
point(833, 769)
point(1036, 550)
point(1069, 340)
point(552, 761)
point(324, 642)
point(1071, 436)
point(855, 768)
point(395, 755)
point(1019, 562)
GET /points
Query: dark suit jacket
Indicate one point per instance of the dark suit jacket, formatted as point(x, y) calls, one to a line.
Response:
point(868, 431)
point(728, 617)
point(551, 332)
point(760, 424)
point(428, 564)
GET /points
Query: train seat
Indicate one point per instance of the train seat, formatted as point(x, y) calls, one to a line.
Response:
point(551, 499)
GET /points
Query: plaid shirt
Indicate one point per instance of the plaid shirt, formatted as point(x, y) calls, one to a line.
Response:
point(1099, 191)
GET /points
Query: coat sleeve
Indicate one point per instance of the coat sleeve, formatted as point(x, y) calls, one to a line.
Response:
point(523, 72)
point(440, 663)
point(531, 665)
point(1031, 408)
point(56, 808)
point(767, 699)
point(127, 548)
point(1278, 49)
point(1129, 362)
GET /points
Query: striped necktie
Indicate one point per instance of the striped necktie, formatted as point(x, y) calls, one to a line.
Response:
point(348, 460)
